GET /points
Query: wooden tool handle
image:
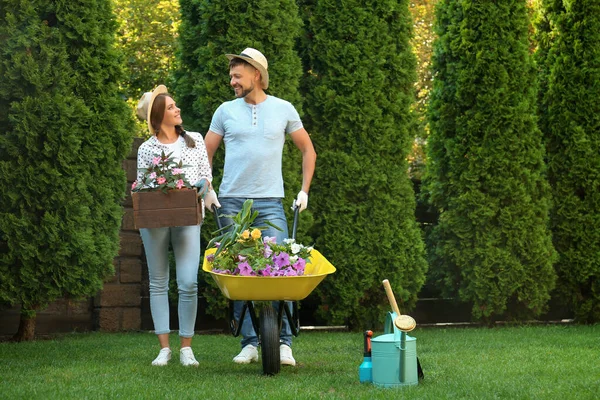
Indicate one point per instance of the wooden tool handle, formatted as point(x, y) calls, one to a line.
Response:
point(391, 298)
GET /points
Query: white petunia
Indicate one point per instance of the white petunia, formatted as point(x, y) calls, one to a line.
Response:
point(296, 248)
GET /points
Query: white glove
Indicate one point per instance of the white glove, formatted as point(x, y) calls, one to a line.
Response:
point(211, 199)
point(301, 201)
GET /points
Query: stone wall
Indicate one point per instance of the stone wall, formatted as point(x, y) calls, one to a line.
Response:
point(118, 306)
point(61, 316)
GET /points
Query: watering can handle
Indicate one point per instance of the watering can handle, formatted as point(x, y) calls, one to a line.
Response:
point(391, 298)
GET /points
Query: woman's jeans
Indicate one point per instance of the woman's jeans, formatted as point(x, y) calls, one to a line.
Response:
point(270, 209)
point(186, 247)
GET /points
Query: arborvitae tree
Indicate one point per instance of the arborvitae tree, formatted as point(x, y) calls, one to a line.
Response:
point(570, 121)
point(208, 31)
point(65, 132)
point(147, 37)
point(486, 173)
point(361, 72)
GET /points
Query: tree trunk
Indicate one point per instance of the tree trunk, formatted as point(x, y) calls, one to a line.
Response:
point(26, 330)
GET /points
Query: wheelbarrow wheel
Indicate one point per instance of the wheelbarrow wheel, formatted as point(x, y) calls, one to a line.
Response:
point(269, 338)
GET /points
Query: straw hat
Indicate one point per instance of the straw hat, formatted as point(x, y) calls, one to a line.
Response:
point(257, 60)
point(144, 106)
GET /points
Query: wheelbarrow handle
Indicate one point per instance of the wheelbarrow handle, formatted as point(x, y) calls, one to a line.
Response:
point(295, 224)
point(215, 211)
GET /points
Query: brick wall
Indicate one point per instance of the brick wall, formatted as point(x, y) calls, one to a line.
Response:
point(118, 306)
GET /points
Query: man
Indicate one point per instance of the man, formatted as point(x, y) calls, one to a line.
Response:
point(253, 128)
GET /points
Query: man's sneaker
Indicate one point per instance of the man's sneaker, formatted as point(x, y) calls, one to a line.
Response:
point(186, 356)
point(247, 355)
point(163, 357)
point(285, 355)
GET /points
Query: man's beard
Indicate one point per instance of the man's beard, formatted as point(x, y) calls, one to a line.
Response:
point(245, 92)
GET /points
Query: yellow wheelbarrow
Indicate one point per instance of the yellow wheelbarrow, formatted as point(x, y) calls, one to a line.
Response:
point(265, 288)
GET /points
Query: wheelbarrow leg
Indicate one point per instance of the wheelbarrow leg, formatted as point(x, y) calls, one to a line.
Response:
point(292, 317)
point(269, 340)
point(236, 324)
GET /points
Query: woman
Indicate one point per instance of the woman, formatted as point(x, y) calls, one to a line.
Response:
point(164, 122)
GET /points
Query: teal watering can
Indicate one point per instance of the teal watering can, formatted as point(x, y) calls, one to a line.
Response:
point(394, 354)
point(394, 357)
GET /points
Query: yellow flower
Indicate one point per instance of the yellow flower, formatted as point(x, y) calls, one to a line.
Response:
point(246, 234)
point(255, 233)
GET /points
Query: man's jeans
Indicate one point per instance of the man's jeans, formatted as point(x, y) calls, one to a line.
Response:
point(270, 209)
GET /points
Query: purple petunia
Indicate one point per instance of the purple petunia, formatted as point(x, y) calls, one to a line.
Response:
point(281, 260)
point(267, 251)
point(299, 266)
point(266, 271)
point(245, 269)
point(222, 271)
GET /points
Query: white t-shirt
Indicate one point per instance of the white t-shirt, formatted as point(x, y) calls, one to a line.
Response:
point(195, 157)
point(175, 148)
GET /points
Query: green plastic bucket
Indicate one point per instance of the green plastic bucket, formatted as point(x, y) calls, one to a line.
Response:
point(394, 358)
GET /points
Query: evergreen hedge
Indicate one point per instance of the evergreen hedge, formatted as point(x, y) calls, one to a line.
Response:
point(65, 132)
point(570, 120)
point(208, 31)
point(359, 89)
point(147, 37)
point(492, 245)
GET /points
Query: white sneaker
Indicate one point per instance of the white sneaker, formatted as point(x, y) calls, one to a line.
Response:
point(285, 355)
point(186, 356)
point(247, 355)
point(163, 357)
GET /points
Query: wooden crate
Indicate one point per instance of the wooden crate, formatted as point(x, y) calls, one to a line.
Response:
point(158, 209)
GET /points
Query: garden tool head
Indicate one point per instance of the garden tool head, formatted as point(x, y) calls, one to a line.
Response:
point(405, 323)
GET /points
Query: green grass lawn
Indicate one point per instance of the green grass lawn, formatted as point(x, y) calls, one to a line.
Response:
point(529, 362)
